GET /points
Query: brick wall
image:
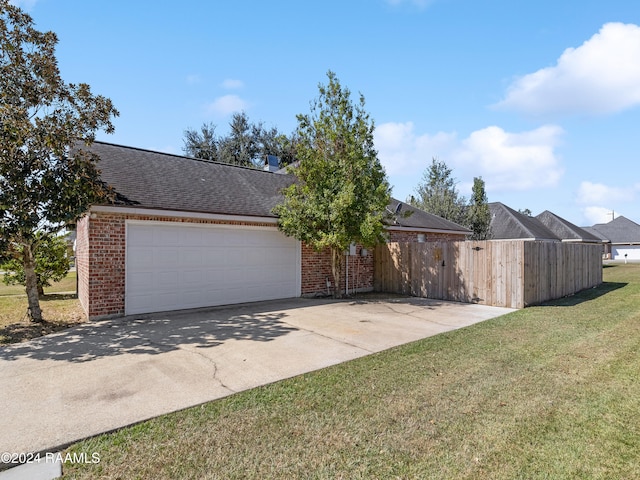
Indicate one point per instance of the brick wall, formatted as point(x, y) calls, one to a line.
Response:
point(100, 263)
point(316, 269)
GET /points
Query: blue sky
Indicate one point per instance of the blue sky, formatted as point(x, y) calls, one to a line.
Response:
point(541, 99)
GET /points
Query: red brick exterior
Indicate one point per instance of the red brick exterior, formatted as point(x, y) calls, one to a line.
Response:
point(101, 258)
point(316, 270)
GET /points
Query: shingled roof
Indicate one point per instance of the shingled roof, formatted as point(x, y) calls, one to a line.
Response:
point(565, 230)
point(154, 180)
point(412, 217)
point(507, 224)
point(620, 230)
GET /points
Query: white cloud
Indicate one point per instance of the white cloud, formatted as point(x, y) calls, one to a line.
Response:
point(598, 193)
point(401, 150)
point(597, 215)
point(594, 195)
point(512, 161)
point(231, 84)
point(226, 105)
point(601, 76)
point(506, 161)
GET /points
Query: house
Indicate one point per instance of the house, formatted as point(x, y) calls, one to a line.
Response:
point(186, 233)
point(623, 236)
point(507, 224)
point(565, 230)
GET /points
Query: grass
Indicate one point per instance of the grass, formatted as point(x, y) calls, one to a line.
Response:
point(60, 308)
point(548, 392)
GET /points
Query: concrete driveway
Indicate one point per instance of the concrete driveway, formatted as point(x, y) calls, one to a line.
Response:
point(104, 375)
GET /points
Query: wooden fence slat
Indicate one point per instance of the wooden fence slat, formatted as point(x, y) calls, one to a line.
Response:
point(500, 273)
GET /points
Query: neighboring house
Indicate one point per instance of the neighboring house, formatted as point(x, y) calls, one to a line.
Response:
point(565, 230)
point(410, 224)
point(185, 233)
point(623, 236)
point(507, 224)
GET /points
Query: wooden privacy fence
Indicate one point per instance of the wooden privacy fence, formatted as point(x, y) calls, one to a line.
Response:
point(511, 273)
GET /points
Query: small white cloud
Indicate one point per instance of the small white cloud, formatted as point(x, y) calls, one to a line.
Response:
point(226, 105)
point(601, 76)
point(401, 150)
point(231, 84)
point(595, 215)
point(598, 193)
point(512, 161)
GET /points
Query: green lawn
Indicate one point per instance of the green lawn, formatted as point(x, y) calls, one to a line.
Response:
point(548, 392)
point(59, 305)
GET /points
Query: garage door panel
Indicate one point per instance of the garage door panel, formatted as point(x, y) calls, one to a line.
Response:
point(164, 237)
point(172, 267)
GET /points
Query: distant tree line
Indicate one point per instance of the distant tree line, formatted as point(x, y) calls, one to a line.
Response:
point(247, 143)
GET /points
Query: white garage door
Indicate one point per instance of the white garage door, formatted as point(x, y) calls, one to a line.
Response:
point(176, 266)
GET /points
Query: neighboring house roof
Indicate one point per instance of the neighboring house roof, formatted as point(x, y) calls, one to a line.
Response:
point(412, 217)
point(597, 234)
point(154, 180)
point(566, 230)
point(506, 224)
point(620, 230)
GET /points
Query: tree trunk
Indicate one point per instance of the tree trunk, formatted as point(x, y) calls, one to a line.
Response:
point(31, 282)
point(336, 267)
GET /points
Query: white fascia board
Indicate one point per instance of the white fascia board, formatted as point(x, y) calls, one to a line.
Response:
point(181, 214)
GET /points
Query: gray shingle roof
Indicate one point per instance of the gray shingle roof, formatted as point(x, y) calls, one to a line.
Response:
point(596, 233)
point(506, 223)
point(566, 230)
point(421, 219)
point(620, 230)
point(154, 180)
point(170, 182)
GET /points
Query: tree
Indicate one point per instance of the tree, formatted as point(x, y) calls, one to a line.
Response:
point(50, 258)
point(342, 191)
point(247, 143)
point(241, 146)
point(478, 214)
point(47, 178)
point(526, 212)
point(202, 144)
point(437, 194)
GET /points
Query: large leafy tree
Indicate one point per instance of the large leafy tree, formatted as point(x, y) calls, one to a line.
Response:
point(50, 259)
point(242, 145)
point(43, 184)
point(203, 144)
point(478, 213)
point(247, 143)
point(437, 193)
point(342, 191)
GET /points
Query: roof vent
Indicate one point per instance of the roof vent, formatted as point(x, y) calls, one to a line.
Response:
point(271, 163)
